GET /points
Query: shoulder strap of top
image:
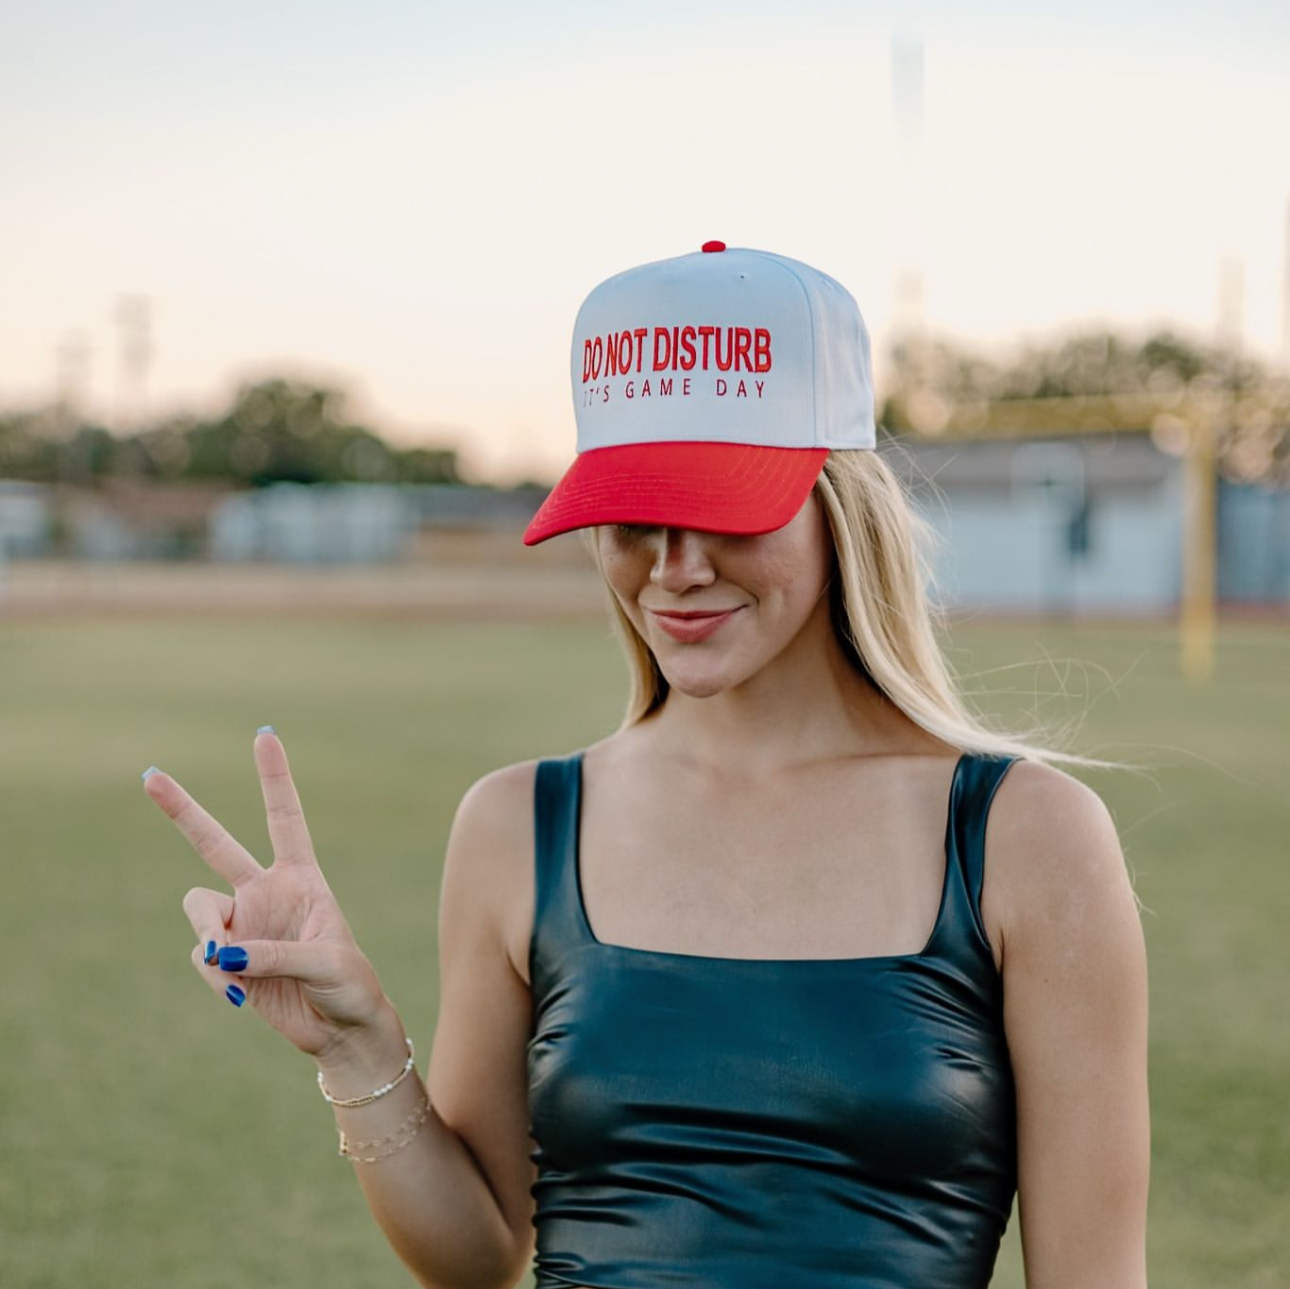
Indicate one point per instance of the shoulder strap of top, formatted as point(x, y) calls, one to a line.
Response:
point(978, 776)
point(555, 839)
point(557, 924)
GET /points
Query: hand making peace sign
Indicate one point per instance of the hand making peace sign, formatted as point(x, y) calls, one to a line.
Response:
point(302, 972)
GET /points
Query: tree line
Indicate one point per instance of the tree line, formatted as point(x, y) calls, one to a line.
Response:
point(1096, 380)
point(281, 430)
point(275, 431)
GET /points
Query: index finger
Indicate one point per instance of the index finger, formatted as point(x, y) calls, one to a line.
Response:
point(209, 838)
point(287, 829)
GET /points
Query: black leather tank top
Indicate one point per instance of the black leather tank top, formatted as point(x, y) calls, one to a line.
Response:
point(735, 1123)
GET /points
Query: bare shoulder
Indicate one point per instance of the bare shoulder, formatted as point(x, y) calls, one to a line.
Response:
point(490, 853)
point(491, 801)
point(1052, 856)
point(491, 848)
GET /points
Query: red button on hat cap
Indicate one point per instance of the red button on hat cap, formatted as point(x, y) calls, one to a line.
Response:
point(714, 246)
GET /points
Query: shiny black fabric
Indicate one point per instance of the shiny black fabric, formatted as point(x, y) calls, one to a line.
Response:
point(732, 1123)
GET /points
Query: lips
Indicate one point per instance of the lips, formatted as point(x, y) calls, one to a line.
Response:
point(693, 613)
point(692, 626)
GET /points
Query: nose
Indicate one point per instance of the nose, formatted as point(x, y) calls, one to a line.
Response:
point(681, 559)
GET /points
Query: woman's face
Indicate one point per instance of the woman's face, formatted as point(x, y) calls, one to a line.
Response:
point(773, 585)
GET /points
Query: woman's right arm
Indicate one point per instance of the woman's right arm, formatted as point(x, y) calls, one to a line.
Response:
point(450, 1188)
point(455, 1202)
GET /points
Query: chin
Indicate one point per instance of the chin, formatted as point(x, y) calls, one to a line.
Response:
point(700, 691)
point(704, 685)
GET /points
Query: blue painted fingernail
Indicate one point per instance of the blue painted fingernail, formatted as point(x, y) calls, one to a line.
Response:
point(231, 958)
point(152, 769)
point(235, 995)
point(210, 952)
point(266, 729)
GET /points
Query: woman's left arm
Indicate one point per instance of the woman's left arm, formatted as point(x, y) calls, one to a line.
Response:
point(1074, 968)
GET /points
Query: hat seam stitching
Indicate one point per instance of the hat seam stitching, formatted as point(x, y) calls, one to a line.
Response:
point(815, 353)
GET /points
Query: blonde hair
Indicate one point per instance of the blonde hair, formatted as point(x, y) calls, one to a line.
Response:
point(883, 615)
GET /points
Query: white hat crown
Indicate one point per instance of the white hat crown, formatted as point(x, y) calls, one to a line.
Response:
point(727, 345)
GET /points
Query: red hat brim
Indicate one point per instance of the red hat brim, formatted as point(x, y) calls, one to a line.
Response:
point(713, 487)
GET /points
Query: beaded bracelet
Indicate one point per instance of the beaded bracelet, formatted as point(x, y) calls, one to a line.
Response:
point(376, 1093)
point(414, 1121)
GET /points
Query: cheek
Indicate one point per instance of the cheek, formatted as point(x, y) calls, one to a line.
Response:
point(794, 576)
point(622, 571)
point(789, 589)
point(614, 562)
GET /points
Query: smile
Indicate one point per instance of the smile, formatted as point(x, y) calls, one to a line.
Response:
point(690, 628)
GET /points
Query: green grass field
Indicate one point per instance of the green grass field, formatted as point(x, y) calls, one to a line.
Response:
point(152, 1135)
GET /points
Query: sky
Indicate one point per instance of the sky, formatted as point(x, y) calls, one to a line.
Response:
point(410, 200)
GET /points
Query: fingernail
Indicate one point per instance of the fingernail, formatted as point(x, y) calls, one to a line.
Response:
point(210, 953)
point(231, 958)
point(235, 995)
point(266, 729)
point(152, 769)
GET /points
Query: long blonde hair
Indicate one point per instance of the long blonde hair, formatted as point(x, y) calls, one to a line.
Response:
point(884, 616)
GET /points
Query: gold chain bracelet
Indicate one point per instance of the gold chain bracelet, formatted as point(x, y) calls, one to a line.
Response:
point(410, 1126)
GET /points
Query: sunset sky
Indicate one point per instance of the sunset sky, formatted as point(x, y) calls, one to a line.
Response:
point(411, 199)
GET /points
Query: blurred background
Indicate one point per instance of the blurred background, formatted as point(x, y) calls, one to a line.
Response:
point(286, 295)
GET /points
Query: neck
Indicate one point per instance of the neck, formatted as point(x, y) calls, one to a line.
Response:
point(811, 703)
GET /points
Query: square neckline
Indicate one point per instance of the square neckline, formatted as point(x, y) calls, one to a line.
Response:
point(604, 946)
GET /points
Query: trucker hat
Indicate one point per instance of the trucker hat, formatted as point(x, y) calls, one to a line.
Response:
point(708, 390)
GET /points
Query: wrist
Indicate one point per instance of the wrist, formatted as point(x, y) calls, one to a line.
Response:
point(365, 1056)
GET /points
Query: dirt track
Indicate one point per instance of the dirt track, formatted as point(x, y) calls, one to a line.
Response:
point(56, 588)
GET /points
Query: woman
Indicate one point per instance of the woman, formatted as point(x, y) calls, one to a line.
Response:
point(745, 994)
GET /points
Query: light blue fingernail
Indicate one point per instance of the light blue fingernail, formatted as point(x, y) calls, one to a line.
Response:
point(266, 729)
point(152, 769)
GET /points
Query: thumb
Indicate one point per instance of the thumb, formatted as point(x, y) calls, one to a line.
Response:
point(315, 962)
